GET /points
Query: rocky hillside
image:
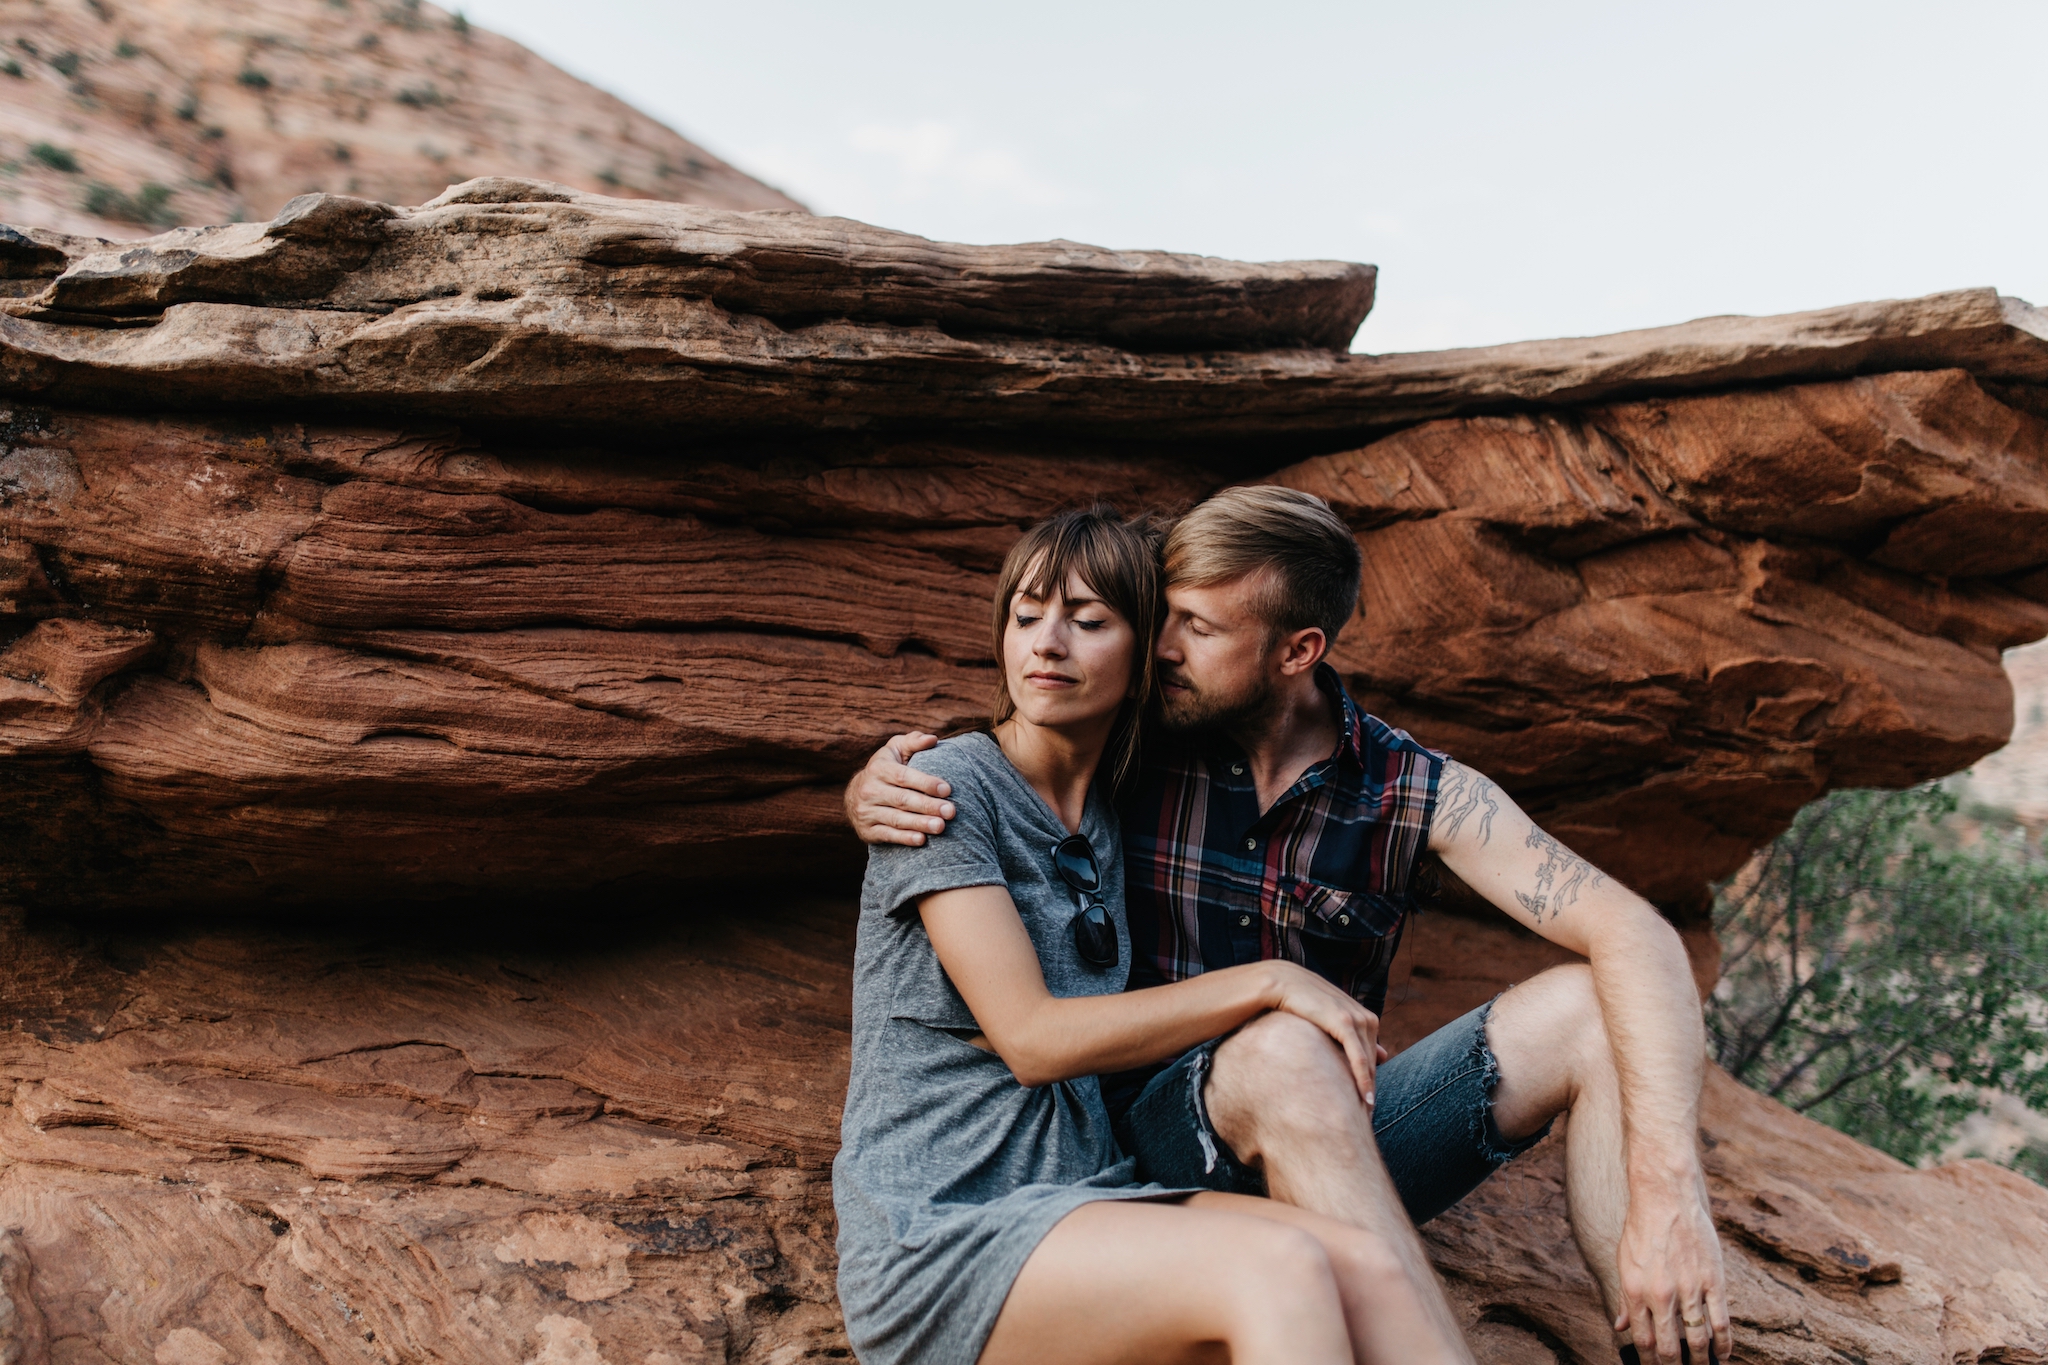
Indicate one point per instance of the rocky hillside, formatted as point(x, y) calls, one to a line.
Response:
point(119, 118)
point(432, 639)
point(2014, 781)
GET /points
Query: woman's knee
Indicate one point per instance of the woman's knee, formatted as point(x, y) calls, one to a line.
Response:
point(1285, 1268)
point(1363, 1258)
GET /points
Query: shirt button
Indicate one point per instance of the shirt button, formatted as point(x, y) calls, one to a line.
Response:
point(1244, 921)
point(1237, 769)
point(1343, 919)
point(1251, 843)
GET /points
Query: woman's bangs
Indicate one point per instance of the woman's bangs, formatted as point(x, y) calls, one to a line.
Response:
point(1089, 553)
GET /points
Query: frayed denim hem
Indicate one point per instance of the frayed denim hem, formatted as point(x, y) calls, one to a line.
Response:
point(1486, 1134)
point(1205, 1131)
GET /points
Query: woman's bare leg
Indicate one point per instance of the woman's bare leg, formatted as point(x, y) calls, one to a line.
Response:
point(1135, 1283)
point(1219, 1277)
point(1387, 1320)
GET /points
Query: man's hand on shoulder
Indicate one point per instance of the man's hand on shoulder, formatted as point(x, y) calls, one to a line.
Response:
point(890, 802)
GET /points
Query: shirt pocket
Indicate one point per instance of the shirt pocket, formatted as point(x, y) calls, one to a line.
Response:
point(1333, 912)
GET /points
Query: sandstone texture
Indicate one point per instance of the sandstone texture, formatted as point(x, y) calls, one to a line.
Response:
point(119, 118)
point(558, 1140)
point(432, 641)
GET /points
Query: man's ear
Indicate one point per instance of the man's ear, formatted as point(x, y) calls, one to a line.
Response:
point(1302, 650)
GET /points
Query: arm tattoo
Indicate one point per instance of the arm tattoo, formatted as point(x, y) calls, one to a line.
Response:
point(1462, 793)
point(1559, 880)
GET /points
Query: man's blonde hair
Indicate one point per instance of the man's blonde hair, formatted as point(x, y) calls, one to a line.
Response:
point(1308, 555)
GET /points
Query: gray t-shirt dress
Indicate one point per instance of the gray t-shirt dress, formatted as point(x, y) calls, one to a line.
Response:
point(949, 1172)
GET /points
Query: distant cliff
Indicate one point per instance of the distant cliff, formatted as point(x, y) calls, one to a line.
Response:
point(119, 118)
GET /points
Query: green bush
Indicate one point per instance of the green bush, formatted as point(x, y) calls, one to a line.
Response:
point(151, 204)
point(55, 157)
point(1878, 980)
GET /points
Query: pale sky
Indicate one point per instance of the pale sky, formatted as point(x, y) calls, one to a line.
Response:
point(1515, 170)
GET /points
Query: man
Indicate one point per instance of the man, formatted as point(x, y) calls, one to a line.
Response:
point(1276, 819)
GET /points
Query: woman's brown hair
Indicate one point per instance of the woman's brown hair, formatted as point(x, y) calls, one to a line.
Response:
point(1118, 559)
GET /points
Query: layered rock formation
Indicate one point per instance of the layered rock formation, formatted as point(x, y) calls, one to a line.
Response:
point(531, 552)
point(121, 117)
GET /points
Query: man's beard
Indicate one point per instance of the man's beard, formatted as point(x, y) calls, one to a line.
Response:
point(1200, 710)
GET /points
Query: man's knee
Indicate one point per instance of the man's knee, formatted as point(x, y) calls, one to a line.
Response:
point(1551, 1014)
point(1549, 1040)
point(1277, 1074)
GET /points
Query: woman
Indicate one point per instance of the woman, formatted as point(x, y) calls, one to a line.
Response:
point(985, 1212)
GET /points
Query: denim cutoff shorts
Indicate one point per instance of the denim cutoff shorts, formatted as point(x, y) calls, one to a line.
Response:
point(1433, 1116)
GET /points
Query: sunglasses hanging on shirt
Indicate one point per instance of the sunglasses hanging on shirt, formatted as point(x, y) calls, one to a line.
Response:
point(1094, 932)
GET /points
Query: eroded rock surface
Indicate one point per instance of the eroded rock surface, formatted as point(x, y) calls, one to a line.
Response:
point(493, 1140)
point(559, 555)
point(121, 117)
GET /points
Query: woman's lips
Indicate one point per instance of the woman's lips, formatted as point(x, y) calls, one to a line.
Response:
point(1050, 679)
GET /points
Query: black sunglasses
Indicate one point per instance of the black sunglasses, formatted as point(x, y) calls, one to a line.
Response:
point(1094, 935)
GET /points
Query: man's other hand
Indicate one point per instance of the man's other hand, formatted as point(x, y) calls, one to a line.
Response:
point(1672, 1276)
point(890, 802)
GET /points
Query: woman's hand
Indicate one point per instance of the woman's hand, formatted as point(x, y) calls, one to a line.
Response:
point(1298, 991)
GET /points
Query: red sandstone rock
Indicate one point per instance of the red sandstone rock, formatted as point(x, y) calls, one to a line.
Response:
point(526, 302)
point(1518, 567)
point(384, 644)
point(549, 554)
point(372, 1144)
point(232, 107)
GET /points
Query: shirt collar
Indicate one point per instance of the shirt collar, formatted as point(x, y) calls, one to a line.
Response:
point(1353, 719)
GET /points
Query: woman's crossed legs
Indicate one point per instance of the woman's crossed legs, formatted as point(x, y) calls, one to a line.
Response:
point(1217, 1277)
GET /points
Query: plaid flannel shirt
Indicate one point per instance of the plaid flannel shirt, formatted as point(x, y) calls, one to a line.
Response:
point(1325, 878)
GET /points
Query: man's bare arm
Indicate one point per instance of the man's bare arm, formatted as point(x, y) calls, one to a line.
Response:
point(1670, 1258)
point(890, 802)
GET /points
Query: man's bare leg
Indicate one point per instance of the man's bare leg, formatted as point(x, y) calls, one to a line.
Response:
point(1280, 1094)
point(1555, 1058)
point(1269, 1095)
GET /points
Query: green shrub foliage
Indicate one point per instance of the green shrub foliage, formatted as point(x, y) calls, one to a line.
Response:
point(1878, 978)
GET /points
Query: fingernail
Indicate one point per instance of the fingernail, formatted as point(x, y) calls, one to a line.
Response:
point(1369, 1097)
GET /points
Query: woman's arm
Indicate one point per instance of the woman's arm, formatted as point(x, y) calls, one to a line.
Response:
point(1042, 1037)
